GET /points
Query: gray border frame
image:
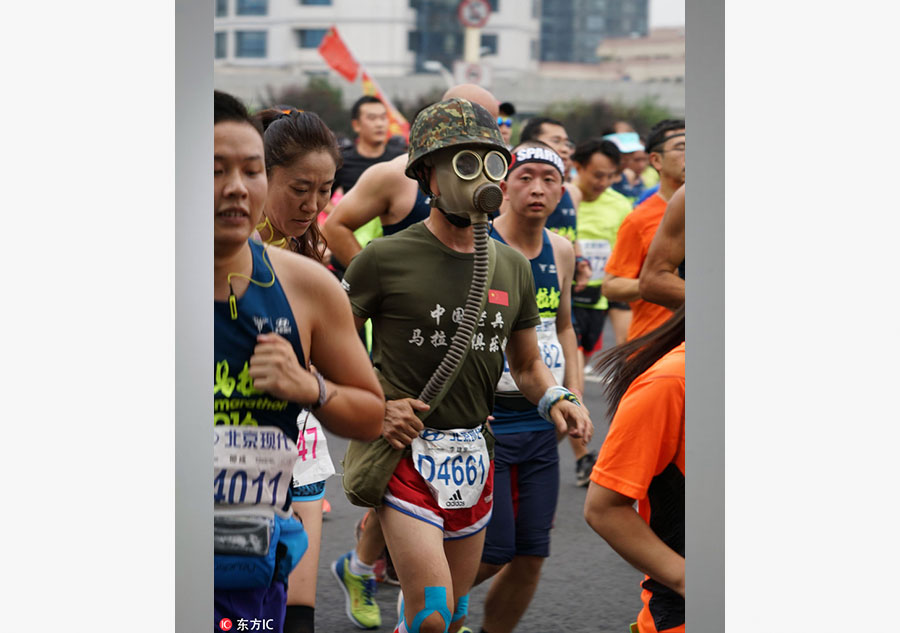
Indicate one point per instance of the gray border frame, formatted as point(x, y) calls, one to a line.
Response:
point(705, 328)
point(194, 48)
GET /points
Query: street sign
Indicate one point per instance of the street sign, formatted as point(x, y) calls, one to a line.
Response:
point(470, 73)
point(474, 13)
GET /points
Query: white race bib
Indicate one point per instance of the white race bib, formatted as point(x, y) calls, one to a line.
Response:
point(597, 253)
point(313, 461)
point(252, 467)
point(551, 353)
point(454, 464)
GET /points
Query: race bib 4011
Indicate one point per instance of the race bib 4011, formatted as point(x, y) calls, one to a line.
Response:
point(252, 466)
point(453, 463)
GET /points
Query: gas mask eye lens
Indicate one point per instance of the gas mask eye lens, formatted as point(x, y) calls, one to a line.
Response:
point(467, 164)
point(495, 165)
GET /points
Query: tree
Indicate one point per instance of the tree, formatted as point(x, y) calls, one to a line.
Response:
point(318, 96)
point(409, 109)
point(588, 120)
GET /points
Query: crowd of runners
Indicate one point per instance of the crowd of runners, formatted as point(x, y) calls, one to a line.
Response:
point(439, 300)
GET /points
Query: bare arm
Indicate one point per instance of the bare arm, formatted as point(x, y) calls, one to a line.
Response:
point(368, 199)
point(620, 288)
point(611, 515)
point(338, 353)
point(659, 281)
point(564, 255)
point(533, 379)
point(355, 402)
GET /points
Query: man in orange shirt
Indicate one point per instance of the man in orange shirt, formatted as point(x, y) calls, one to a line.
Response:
point(665, 145)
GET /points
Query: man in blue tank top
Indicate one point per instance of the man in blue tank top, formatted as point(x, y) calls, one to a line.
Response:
point(270, 308)
point(563, 220)
point(526, 462)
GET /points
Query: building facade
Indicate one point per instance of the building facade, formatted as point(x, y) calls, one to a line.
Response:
point(389, 38)
point(416, 47)
point(571, 30)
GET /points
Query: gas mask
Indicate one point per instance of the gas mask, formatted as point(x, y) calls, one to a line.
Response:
point(467, 179)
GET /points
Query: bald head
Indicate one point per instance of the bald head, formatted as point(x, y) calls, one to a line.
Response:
point(475, 94)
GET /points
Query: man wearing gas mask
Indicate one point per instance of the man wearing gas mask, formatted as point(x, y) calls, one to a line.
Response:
point(446, 302)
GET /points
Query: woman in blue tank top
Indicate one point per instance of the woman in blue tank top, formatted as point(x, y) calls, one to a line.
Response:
point(272, 309)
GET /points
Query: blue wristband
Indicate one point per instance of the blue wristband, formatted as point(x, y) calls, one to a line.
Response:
point(553, 395)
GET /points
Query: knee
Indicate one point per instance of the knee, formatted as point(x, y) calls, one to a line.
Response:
point(434, 623)
point(435, 617)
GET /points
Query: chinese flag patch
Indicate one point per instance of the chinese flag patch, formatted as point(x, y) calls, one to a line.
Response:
point(499, 297)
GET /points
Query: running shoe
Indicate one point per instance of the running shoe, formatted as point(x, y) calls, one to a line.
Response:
point(359, 592)
point(583, 468)
point(326, 507)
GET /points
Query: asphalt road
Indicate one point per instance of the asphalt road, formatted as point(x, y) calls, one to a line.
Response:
point(585, 586)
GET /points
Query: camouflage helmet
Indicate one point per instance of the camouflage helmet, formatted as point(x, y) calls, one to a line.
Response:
point(450, 123)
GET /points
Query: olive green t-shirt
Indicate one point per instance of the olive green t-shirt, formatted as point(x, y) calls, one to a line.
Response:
point(414, 289)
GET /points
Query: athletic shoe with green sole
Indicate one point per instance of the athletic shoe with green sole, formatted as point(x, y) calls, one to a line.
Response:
point(362, 609)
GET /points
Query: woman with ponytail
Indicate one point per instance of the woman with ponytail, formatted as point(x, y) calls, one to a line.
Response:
point(642, 459)
point(301, 158)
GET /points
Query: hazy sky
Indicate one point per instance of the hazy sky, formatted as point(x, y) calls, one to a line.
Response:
point(666, 13)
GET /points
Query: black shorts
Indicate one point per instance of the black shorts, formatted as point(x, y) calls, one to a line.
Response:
point(526, 489)
point(588, 327)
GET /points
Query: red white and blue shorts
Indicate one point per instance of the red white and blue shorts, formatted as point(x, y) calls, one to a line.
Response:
point(408, 493)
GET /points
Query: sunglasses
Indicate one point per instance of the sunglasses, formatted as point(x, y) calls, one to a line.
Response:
point(504, 121)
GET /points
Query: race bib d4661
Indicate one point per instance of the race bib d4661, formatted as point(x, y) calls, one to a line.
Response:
point(454, 464)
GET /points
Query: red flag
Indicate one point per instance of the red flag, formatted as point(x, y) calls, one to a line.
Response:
point(499, 297)
point(337, 55)
point(397, 123)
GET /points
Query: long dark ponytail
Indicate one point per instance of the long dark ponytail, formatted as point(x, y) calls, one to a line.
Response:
point(623, 363)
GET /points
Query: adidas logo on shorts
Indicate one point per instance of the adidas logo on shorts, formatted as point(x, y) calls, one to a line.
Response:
point(456, 501)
